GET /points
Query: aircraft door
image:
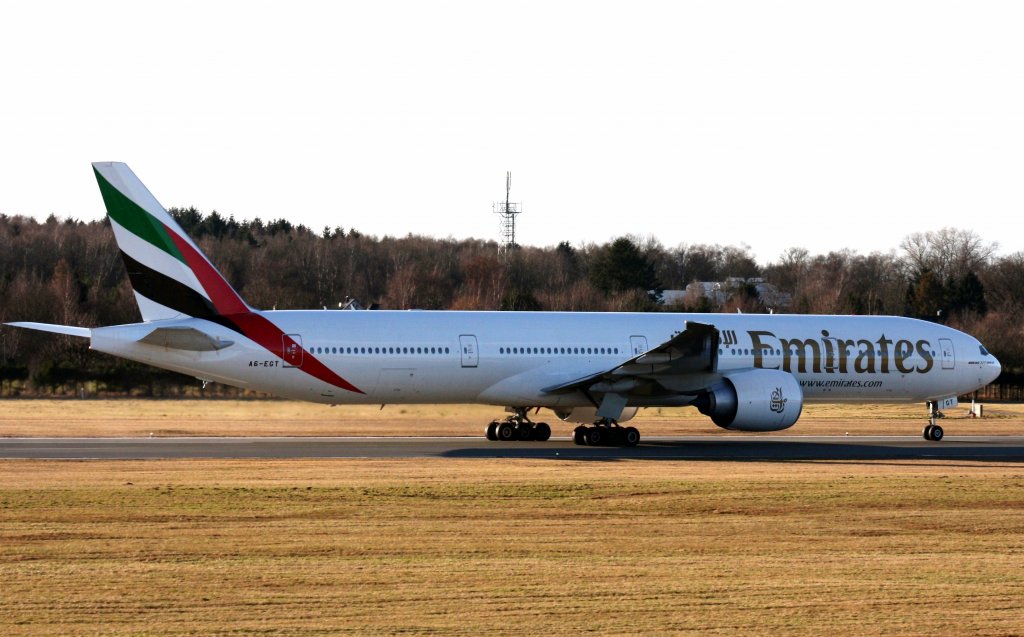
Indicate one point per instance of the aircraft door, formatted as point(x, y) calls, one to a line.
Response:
point(946, 353)
point(468, 345)
point(638, 344)
point(291, 350)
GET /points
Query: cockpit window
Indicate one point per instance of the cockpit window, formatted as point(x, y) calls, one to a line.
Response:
point(984, 352)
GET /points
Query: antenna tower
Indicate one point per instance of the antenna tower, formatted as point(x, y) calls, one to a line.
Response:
point(507, 223)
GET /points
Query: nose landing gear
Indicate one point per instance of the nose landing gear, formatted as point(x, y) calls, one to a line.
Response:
point(932, 431)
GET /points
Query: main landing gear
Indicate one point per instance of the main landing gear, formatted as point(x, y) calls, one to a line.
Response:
point(606, 433)
point(518, 427)
point(932, 431)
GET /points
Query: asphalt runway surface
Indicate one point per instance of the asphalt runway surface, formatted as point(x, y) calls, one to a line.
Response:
point(739, 447)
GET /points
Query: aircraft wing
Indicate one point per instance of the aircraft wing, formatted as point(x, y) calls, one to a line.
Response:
point(693, 350)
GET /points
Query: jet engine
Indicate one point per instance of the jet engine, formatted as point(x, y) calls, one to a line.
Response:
point(588, 415)
point(753, 400)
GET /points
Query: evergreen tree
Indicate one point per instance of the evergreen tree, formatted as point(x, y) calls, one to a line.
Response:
point(623, 267)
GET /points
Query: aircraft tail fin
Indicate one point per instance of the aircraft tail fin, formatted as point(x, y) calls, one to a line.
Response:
point(170, 275)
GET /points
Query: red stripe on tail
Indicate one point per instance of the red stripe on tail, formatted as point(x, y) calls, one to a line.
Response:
point(256, 327)
point(270, 336)
point(225, 299)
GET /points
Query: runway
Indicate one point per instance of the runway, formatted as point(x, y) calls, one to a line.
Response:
point(740, 447)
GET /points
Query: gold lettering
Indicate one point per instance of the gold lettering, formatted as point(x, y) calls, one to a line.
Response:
point(924, 349)
point(884, 343)
point(903, 351)
point(865, 363)
point(802, 349)
point(759, 347)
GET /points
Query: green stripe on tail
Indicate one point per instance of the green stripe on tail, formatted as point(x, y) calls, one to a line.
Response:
point(134, 219)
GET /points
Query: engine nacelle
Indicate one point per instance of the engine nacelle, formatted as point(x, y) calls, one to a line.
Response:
point(754, 400)
point(588, 415)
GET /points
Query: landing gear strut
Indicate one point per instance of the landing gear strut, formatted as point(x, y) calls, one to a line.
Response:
point(606, 433)
point(932, 431)
point(518, 427)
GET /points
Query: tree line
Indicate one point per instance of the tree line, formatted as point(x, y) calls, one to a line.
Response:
point(70, 272)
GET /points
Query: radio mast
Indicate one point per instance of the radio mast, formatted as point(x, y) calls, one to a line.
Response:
point(507, 222)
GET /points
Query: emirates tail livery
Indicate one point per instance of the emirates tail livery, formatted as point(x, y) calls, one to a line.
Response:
point(746, 372)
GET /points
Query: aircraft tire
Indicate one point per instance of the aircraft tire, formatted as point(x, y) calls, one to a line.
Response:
point(937, 433)
point(630, 437)
point(579, 435)
point(927, 433)
point(506, 432)
point(595, 437)
point(492, 431)
point(541, 432)
point(524, 431)
point(615, 437)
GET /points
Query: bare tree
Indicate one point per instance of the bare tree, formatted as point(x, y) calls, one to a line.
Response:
point(950, 253)
point(1004, 284)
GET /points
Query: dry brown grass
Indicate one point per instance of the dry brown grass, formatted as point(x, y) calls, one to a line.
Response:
point(283, 418)
point(510, 547)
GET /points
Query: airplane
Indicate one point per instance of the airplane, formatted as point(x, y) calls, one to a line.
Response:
point(746, 372)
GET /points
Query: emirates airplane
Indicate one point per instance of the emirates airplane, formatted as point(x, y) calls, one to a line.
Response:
point(746, 372)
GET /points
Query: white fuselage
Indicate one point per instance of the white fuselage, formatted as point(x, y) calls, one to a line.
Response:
point(507, 358)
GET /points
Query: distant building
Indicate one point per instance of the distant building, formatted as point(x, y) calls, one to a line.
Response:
point(719, 293)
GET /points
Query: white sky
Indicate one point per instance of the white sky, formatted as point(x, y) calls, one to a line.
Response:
point(822, 125)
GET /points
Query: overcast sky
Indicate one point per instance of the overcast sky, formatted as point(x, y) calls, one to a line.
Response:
point(822, 125)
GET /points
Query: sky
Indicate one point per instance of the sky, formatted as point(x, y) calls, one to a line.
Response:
point(821, 125)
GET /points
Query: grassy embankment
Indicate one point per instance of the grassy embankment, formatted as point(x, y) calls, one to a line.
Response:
point(133, 417)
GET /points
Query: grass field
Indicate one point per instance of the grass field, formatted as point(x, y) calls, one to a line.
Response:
point(510, 547)
point(500, 546)
point(285, 418)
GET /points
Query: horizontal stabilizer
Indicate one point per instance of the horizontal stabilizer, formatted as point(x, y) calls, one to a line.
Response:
point(187, 338)
point(83, 332)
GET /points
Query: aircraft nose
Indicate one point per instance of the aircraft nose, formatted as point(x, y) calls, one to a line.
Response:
point(994, 370)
